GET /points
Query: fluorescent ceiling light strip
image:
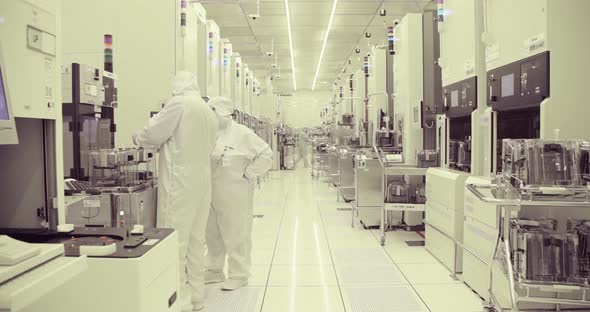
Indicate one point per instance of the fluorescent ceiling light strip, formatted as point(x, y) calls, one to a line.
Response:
point(291, 44)
point(317, 71)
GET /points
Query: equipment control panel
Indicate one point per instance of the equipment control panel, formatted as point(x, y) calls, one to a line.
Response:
point(91, 89)
point(460, 98)
point(521, 84)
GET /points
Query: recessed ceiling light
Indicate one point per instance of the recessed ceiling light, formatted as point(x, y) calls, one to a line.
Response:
point(291, 44)
point(317, 71)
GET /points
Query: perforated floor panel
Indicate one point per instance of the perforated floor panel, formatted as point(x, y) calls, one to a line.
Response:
point(374, 274)
point(384, 299)
point(347, 256)
point(244, 299)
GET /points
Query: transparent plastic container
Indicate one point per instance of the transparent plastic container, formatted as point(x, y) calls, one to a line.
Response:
point(427, 158)
point(541, 163)
point(398, 192)
point(104, 167)
point(552, 163)
point(543, 255)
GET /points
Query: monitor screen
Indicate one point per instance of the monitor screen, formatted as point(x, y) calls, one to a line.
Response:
point(508, 85)
point(3, 101)
point(455, 98)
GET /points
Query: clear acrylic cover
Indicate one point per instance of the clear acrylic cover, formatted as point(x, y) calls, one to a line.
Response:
point(534, 163)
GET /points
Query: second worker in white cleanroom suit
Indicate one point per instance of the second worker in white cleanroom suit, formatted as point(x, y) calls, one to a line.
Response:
point(239, 158)
point(185, 130)
point(302, 143)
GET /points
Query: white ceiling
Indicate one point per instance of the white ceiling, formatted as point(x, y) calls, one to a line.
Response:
point(309, 19)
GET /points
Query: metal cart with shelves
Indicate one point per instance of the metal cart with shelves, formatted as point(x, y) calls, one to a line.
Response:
point(406, 172)
point(504, 264)
point(320, 157)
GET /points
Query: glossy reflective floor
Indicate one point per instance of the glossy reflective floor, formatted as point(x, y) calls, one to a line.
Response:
point(307, 257)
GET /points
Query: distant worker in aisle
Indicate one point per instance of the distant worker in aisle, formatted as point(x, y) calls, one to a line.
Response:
point(240, 157)
point(185, 130)
point(302, 147)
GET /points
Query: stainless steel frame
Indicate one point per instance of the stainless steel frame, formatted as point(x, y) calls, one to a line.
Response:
point(117, 209)
point(367, 180)
point(507, 209)
point(346, 188)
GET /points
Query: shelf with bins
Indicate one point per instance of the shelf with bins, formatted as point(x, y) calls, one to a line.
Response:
point(410, 199)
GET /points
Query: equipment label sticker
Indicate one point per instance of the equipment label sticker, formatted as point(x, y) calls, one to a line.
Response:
point(535, 44)
point(49, 74)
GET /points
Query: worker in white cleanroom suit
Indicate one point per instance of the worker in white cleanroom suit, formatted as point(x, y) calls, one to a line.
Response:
point(239, 158)
point(185, 130)
point(302, 144)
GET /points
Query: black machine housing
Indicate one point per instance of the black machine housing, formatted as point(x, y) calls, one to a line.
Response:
point(516, 91)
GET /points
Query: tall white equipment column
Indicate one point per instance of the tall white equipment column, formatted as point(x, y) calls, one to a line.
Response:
point(359, 104)
point(408, 82)
point(460, 133)
point(377, 89)
point(31, 46)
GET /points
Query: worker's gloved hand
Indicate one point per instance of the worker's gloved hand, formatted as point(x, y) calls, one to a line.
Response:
point(251, 179)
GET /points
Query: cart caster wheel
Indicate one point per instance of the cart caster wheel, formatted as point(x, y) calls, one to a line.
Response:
point(382, 241)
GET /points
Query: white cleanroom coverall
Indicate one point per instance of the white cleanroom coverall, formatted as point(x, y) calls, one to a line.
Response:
point(302, 144)
point(185, 130)
point(239, 158)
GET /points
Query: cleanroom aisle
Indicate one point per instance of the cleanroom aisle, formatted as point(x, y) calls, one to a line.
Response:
point(307, 258)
